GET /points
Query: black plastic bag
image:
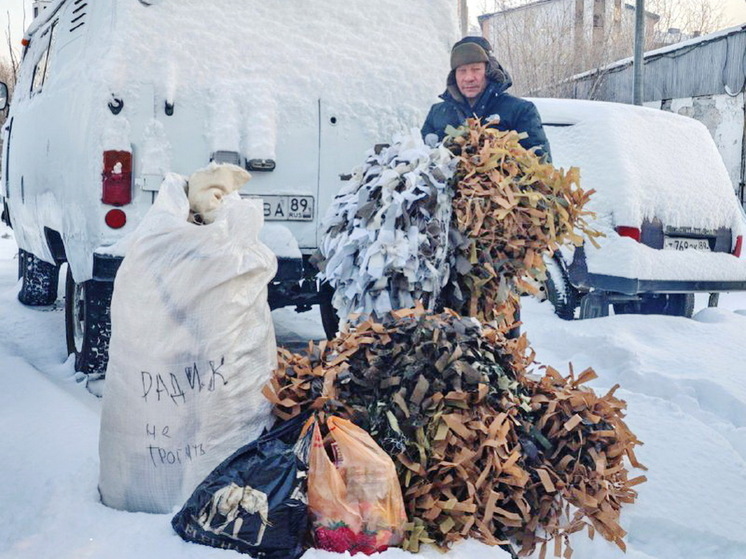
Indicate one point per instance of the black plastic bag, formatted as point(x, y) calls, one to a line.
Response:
point(255, 501)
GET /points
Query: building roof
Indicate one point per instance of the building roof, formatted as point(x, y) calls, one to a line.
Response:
point(709, 65)
point(539, 2)
point(514, 9)
point(673, 50)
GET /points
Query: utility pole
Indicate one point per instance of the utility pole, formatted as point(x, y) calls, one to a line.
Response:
point(598, 35)
point(639, 62)
point(579, 37)
point(463, 12)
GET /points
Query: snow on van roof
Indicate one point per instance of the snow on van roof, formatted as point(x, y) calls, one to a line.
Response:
point(643, 163)
point(254, 68)
point(382, 61)
point(45, 15)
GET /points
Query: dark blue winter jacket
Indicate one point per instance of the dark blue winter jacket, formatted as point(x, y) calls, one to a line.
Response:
point(514, 113)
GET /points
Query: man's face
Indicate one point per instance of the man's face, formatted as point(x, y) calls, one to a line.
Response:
point(471, 80)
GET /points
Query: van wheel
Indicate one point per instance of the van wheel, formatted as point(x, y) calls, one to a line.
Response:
point(594, 305)
point(329, 316)
point(559, 291)
point(88, 324)
point(39, 280)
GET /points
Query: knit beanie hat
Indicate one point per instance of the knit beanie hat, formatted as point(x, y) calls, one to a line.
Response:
point(467, 53)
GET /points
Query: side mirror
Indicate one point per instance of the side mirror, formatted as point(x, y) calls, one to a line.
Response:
point(3, 96)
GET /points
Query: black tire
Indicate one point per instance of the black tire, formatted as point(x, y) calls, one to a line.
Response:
point(559, 291)
point(5, 216)
point(39, 280)
point(88, 324)
point(594, 305)
point(329, 316)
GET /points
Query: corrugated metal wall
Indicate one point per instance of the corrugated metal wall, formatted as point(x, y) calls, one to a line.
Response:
point(703, 68)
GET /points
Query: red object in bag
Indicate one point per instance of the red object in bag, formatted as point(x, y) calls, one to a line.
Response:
point(355, 505)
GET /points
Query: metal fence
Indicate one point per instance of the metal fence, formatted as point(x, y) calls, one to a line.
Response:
point(711, 65)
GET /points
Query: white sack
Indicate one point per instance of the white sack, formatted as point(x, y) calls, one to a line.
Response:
point(192, 346)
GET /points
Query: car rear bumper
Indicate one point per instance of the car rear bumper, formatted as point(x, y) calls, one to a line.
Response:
point(582, 279)
point(105, 268)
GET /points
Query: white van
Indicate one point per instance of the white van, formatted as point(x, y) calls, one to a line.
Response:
point(113, 94)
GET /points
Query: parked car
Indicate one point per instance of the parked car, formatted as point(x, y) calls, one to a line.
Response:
point(672, 223)
point(113, 94)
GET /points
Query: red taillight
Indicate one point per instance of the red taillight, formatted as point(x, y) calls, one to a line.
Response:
point(738, 247)
point(115, 219)
point(116, 183)
point(631, 232)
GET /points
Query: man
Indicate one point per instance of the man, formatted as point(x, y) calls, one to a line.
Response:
point(476, 86)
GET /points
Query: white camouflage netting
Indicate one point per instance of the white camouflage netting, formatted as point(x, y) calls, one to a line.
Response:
point(386, 233)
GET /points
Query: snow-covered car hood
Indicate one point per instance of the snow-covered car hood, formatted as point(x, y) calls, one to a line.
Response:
point(643, 163)
point(646, 164)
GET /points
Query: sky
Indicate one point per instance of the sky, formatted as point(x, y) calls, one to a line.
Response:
point(11, 15)
point(11, 18)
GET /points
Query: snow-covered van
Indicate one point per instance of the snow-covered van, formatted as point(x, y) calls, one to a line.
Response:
point(113, 94)
point(672, 223)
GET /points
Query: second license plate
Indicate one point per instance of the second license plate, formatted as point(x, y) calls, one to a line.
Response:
point(685, 243)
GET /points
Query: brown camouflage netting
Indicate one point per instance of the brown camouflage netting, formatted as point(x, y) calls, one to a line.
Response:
point(483, 449)
point(509, 209)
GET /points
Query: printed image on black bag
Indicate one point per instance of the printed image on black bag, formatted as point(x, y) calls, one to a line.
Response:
point(256, 501)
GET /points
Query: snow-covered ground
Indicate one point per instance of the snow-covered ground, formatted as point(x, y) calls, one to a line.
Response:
point(684, 381)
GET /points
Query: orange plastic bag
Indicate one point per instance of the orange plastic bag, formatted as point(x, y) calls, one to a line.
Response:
point(355, 502)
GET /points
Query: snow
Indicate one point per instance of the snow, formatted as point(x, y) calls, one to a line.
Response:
point(643, 163)
point(622, 256)
point(43, 17)
point(684, 381)
point(280, 239)
point(260, 69)
point(263, 73)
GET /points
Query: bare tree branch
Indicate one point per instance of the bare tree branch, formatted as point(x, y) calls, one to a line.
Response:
point(690, 16)
point(11, 52)
point(544, 44)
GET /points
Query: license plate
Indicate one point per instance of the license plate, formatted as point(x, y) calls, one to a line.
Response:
point(685, 243)
point(287, 207)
